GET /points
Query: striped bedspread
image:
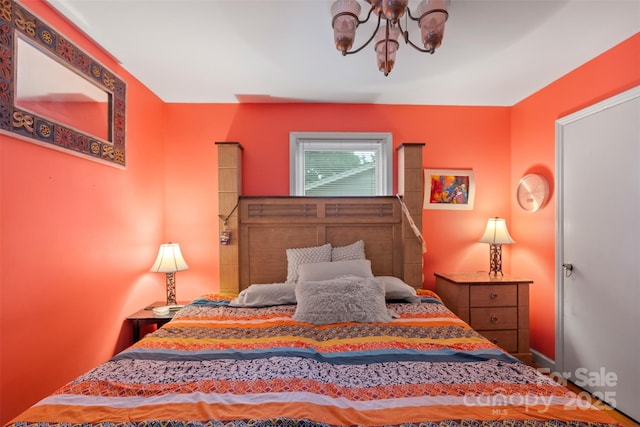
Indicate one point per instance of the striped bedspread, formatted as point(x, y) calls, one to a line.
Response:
point(216, 365)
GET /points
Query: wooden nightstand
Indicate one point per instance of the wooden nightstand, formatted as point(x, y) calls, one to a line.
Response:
point(496, 307)
point(146, 316)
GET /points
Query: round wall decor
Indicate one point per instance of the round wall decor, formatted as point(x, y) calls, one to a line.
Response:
point(533, 192)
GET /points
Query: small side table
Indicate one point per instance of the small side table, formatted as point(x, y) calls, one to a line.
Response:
point(496, 307)
point(146, 316)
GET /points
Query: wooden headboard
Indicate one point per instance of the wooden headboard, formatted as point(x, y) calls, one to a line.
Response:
point(263, 228)
point(270, 225)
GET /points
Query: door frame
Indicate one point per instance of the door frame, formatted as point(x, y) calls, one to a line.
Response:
point(559, 192)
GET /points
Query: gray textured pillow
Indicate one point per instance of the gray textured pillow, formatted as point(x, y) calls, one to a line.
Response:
point(298, 256)
point(396, 289)
point(330, 270)
point(352, 251)
point(265, 295)
point(346, 299)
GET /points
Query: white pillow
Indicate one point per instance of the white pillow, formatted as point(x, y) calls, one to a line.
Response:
point(265, 295)
point(298, 256)
point(347, 299)
point(396, 289)
point(331, 270)
point(352, 251)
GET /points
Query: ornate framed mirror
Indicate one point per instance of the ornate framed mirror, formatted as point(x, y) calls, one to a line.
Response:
point(56, 95)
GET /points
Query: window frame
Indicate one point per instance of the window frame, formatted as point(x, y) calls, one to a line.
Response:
point(384, 168)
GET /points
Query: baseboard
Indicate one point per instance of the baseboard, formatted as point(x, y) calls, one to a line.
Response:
point(542, 361)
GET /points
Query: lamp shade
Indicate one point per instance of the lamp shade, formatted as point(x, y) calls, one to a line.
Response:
point(496, 232)
point(433, 16)
point(169, 259)
point(345, 21)
point(386, 51)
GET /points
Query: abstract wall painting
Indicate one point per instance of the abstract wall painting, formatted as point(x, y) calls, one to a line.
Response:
point(451, 189)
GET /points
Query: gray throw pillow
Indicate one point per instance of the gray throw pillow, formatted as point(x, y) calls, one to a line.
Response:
point(352, 251)
point(396, 289)
point(265, 295)
point(297, 256)
point(345, 299)
point(320, 271)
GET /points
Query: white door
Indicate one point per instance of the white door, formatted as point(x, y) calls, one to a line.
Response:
point(599, 243)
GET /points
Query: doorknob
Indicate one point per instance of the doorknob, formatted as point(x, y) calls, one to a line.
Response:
point(568, 269)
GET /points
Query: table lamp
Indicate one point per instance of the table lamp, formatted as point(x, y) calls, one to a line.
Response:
point(169, 261)
point(496, 234)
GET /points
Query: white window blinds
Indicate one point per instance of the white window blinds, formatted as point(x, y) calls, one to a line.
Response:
point(347, 164)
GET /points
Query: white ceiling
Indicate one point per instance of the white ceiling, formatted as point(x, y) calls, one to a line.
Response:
point(495, 52)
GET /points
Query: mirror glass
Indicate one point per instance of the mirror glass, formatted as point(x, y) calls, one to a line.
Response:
point(59, 93)
point(54, 94)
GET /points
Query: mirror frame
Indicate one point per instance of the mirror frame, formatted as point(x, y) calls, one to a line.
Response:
point(14, 18)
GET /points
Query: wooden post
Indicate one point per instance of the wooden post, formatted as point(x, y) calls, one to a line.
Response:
point(410, 187)
point(229, 191)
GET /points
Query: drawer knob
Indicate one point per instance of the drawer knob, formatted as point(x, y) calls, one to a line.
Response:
point(493, 295)
point(494, 341)
point(494, 319)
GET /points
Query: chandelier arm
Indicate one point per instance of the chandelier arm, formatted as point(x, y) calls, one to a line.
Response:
point(405, 35)
point(445, 11)
point(413, 45)
point(411, 16)
point(337, 15)
point(370, 38)
point(368, 16)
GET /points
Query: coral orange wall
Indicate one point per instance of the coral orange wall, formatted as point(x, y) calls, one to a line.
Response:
point(191, 190)
point(533, 151)
point(77, 240)
point(455, 137)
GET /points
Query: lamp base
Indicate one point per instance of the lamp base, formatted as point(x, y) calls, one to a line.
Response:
point(495, 260)
point(171, 288)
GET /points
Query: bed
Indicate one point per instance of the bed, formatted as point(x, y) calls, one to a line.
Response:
point(323, 331)
point(218, 365)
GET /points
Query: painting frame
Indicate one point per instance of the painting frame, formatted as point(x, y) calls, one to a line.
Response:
point(461, 180)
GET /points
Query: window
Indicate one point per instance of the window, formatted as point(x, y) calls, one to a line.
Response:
point(340, 164)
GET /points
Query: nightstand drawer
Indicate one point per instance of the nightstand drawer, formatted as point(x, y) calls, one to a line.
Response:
point(507, 340)
point(494, 318)
point(493, 296)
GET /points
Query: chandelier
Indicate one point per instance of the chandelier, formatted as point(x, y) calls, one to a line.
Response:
point(431, 18)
